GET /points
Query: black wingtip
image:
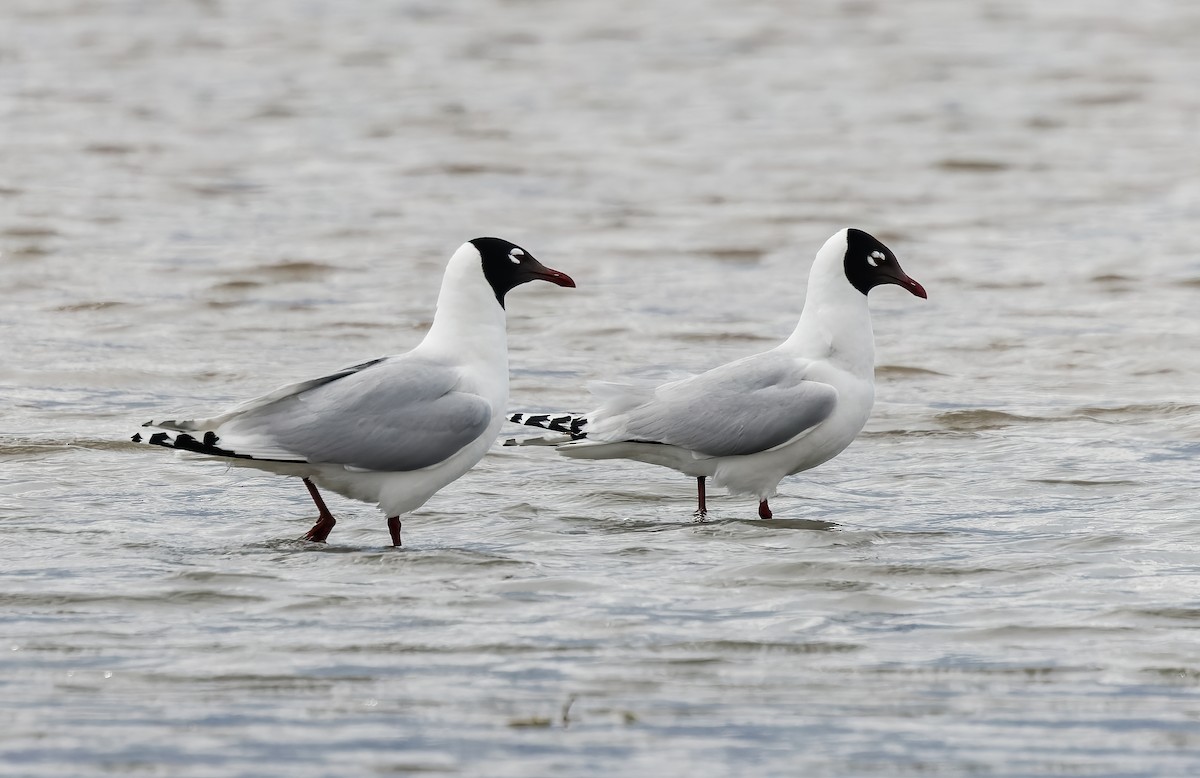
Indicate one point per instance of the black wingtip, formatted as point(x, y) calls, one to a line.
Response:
point(567, 423)
point(184, 441)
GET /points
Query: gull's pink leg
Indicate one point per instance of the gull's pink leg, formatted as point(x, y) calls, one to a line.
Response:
point(394, 529)
point(764, 510)
point(325, 522)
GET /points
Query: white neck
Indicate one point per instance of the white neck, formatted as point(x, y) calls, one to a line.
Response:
point(835, 325)
point(468, 323)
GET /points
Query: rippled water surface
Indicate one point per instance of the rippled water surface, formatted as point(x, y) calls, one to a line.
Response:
point(200, 201)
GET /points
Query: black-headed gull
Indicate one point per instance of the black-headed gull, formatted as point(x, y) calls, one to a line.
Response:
point(749, 423)
point(394, 430)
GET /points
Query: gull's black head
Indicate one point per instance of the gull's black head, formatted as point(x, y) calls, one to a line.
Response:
point(869, 264)
point(506, 265)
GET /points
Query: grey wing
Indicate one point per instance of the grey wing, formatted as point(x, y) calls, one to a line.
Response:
point(744, 407)
point(282, 393)
point(398, 414)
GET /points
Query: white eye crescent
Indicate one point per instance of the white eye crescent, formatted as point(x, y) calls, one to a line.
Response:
point(515, 256)
point(875, 258)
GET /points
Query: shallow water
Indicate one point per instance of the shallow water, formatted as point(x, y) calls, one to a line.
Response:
point(201, 201)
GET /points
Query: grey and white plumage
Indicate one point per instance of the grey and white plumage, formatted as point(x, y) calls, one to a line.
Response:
point(394, 430)
point(749, 423)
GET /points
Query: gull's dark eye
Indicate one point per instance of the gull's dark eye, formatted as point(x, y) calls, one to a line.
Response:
point(876, 258)
point(515, 256)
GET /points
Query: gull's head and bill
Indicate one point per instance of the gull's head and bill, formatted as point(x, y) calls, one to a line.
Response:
point(869, 263)
point(506, 265)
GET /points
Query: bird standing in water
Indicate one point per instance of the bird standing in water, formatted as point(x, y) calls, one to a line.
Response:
point(395, 430)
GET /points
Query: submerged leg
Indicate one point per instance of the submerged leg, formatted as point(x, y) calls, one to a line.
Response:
point(764, 510)
point(394, 529)
point(701, 507)
point(325, 521)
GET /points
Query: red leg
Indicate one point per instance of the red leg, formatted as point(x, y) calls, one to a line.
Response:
point(701, 506)
point(764, 510)
point(394, 529)
point(325, 522)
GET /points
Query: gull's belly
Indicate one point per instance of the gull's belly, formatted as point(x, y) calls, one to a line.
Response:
point(404, 491)
point(832, 436)
point(759, 474)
